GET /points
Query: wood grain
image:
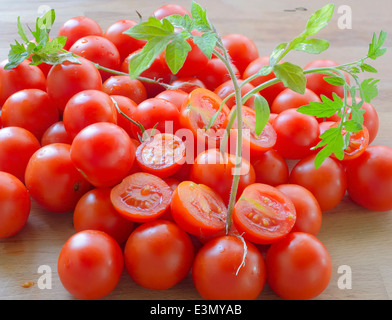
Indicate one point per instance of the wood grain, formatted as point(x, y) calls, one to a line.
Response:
point(355, 237)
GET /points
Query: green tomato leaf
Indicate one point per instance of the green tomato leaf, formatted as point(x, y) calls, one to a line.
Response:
point(335, 80)
point(312, 46)
point(319, 20)
point(150, 29)
point(206, 43)
point(184, 22)
point(16, 55)
point(199, 16)
point(369, 89)
point(262, 112)
point(375, 49)
point(291, 75)
point(277, 53)
point(176, 53)
point(21, 31)
point(352, 126)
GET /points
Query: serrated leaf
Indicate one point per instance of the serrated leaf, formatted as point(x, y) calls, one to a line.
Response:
point(368, 68)
point(291, 75)
point(325, 108)
point(199, 16)
point(332, 143)
point(184, 22)
point(369, 89)
point(46, 21)
point(335, 80)
point(21, 31)
point(262, 113)
point(176, 53)
point(375, 49)
point(16, 55)
point(151, 29)
point(319, 20)
point(352, 126)
point(312, 46)
point(206, 43)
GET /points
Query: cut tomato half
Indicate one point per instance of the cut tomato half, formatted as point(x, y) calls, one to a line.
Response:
point(263, 214)
point(162, 155)
point(198, 209)
point(141, 197)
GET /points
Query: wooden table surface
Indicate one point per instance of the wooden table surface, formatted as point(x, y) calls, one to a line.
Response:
point(355, 237)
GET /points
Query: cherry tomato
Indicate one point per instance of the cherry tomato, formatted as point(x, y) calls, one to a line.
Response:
point(162, 155)
point(104, 153)
point(157, 70)
point(66, 79)
point(52, 179)
point(128, 107)
point(196, 113)
point(271, 168)
point(328, 183)
point(124, 43)
point(158, 113)
point(15, 205)
point(175, 96)
point(217, 171)
point(141, 197)
point(369, 178)
point(288, 99)
point(187, 84)
point(88, 107)
point(227, 88)
point(316, 82)
point(241, 49)
point(270, 92)
point(168, 10)
point(100, 50)
point(296, 134)
point(90, 264)
point(215, 73)
point(56, 133)
point(198, 209)
point(17, 145)
point(299, 267)
point(307, 208)
point(94, 211)
point(24, 76)
point(223, 270)
point(263, 214)
point(125, 86)
point(158, 255)
point(78, 27)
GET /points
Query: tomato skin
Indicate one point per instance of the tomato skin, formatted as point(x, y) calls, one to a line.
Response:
point(198, 209)
point(369, 178)
point(271, 168)
point(218, 274)
point(104, 153)
point(155, 111)
point(263, 214)
point(328, 183)
point(158, 255)
point(211, 169)
point(187, 84)
point(176, 96)
point(24, 76)
point(296, 134)
point(17, 145)
point(52, 179)
point(94, 211)
point(124, 43)
point(125, 86)
point(141, 197)
point(15, 205)
point(309, 215)
point(90, 264)
point(270, 92)
point(227, 88)
point(288, 99)
point(241, 49)
point(128, 107)
point(66, 79)
point(169, 9)
point(78, 27)
point(299, 267)
point(88, 107)
point(56, 133)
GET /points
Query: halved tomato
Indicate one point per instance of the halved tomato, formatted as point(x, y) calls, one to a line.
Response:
point(162, 155)
point(141, 197)
point(198, 209)
point(263, 214)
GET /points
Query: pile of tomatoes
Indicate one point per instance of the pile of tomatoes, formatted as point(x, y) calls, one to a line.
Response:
point(157, 204)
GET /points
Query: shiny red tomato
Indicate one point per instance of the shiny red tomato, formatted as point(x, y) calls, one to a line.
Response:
point(128, 107)
point(125, 86)
point(104, 153)
point(158, 255)
point(369, 178)
point(141, 197)
point(90, 264)
point(299, 267)
point(78, 27)
point(15, 205)
point(289, 99)
point(175, 96)
point(227, 88)
point(17, 145)
point(168, 10)
point(94, 211)
point(263, 214)
point(187, 84)
point(328, 183)
point(56, 133)
point(52, 179)
point(229, 268)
